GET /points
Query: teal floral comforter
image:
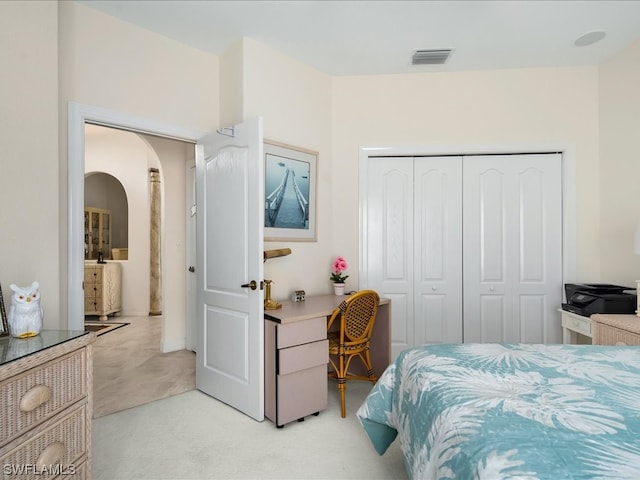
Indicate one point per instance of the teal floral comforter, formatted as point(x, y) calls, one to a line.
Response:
point(491, 411)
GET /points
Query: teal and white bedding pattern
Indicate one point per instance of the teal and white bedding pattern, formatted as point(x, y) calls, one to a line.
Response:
point(493, 411)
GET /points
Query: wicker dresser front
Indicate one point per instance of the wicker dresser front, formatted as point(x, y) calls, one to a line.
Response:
point(618, 329)
point(46, 406)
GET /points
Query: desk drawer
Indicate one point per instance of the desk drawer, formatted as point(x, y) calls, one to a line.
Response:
point(301, 393)
point(304, 331)
point(305, 356)
point(580, 325)
point(62, 381)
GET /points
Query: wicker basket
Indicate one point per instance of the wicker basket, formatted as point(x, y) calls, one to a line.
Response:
point(616, 329)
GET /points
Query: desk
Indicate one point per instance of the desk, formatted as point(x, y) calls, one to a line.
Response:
point(324, 305)
point(575, 328)
point(296, 354)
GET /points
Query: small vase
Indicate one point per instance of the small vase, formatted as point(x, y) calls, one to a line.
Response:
point(338, 288)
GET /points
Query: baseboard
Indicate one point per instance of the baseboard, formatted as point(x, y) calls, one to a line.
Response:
point(172, 345)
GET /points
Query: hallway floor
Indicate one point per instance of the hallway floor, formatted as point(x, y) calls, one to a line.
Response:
point(129, 369)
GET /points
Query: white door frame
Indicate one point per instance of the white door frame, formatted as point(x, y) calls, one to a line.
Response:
point(190, 251)
point(567, 150)
point(79, 114)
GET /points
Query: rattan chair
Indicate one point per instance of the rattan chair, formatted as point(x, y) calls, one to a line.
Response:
point(354, 318)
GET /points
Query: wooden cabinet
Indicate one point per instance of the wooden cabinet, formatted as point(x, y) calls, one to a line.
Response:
point(616, 329)
point(296, 357)
point(46, 396)
point(102, 288)
point(97, 233)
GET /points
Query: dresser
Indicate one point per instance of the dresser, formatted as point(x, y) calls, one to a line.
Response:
point(102, 288)
point(616, 329)
point(46, 396)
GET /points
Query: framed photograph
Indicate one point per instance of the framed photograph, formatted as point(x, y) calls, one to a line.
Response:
point(4, 324)
point(290, 193)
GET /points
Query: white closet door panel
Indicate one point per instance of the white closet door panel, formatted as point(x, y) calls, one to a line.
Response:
point(513, 247)
point(492, 317)
point(437, 249)
point(389, 235)
point(402, 327)
point(532, 318)
point(491, 226)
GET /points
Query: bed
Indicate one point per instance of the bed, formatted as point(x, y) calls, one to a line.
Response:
point(493, 411)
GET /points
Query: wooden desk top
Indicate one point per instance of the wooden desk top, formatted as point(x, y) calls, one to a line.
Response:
point(311, 307)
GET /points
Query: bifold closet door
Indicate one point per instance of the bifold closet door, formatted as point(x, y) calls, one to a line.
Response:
point(512, 237)
point(412, 244)
point(467, 248)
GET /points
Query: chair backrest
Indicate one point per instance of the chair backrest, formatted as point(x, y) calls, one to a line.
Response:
point(359, 314)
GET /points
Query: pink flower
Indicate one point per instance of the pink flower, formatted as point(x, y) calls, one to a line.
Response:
point(339, 266)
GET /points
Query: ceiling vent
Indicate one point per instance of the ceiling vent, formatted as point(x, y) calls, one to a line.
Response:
point(431, 57)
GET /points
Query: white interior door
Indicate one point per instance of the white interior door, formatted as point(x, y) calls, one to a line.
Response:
point(230, 336)
point(512, 248)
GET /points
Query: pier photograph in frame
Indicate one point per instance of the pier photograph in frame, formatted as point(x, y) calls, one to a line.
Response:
point(290, 193)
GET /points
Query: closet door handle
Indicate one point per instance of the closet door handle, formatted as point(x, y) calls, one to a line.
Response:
point(252, 285)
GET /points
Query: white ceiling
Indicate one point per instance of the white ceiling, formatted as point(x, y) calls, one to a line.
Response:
point(379, 37)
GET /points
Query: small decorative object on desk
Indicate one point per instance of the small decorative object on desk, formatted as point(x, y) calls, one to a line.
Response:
point(297, 296)
point(339, 266)
point(25, 314)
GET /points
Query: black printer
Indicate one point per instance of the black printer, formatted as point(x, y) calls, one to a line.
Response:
point(588, 298)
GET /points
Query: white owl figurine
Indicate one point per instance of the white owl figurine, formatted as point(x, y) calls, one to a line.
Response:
point(25, 314)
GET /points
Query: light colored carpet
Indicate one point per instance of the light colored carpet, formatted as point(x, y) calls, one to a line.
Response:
point(193, 436)
point(129, 369)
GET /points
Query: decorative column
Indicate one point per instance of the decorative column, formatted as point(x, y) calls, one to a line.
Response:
point(155, 249)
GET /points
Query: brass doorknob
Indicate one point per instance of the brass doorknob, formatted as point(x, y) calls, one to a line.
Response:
point(252, 285)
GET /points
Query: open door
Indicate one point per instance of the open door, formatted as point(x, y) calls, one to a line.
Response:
point(229, 267)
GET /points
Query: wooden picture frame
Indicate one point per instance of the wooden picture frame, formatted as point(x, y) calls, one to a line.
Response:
point(290, 177)
point(4, 323)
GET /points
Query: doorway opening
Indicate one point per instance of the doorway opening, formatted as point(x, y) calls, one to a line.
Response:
point(179, 143)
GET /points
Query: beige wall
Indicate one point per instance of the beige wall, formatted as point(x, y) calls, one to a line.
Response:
point(295, 101)
point(29, 161)
point(620, 166)
point(488, 108)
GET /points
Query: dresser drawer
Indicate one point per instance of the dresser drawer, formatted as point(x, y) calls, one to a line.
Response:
point(40, 393)
point(608, 335)
point(58, 449)
point(305, 356)
point(577, 324)
point(304, 331)
point(90, 275)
